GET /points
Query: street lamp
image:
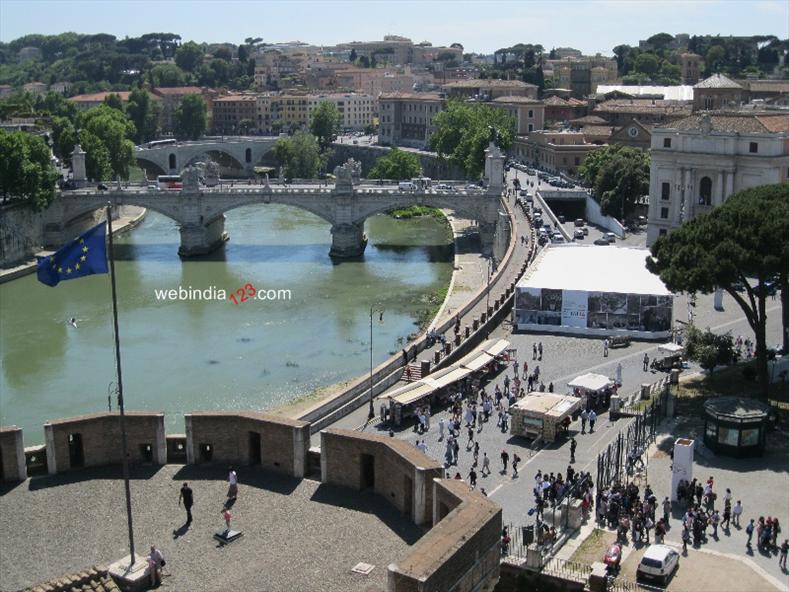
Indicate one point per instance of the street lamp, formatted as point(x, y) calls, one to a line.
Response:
point(371, 413)
point(487, 294)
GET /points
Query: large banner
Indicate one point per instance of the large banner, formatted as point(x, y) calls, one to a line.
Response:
point(574, 308)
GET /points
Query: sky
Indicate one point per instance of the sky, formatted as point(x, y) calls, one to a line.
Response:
point(480, 26)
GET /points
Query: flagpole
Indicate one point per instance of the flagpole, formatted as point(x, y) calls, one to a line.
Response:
point(120, 386)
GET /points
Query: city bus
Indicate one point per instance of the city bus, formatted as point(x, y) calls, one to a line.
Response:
point(169, 182)
point(160, 143)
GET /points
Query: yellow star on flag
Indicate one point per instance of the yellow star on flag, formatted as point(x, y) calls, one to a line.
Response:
point(60, 270)
point(76, 266)
point(84, 249)
point(83, 258)
point(68, 270)
point(82, 241)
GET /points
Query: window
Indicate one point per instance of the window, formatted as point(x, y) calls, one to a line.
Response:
point(665, 191)
point(531, 113)
point(664, 213)
point(705, 191)
point(666, 142)
point(531, 127)
point(753, 148)
point(662, 232)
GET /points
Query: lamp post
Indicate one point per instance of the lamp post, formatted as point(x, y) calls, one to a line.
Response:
point(371, 412)
point(487, 294)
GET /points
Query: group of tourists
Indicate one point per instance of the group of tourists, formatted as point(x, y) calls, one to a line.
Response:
point(623, 507)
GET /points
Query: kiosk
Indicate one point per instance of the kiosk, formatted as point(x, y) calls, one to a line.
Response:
point(541, 415)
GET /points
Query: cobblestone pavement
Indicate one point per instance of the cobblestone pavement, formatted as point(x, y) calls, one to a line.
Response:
point(299, 536)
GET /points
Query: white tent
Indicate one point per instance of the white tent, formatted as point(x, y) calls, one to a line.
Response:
point(671, 348)
point(590, 382)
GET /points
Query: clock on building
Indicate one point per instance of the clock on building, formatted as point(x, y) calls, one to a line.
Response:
point(633, 132)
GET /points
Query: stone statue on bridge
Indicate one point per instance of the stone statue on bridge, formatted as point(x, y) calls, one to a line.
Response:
point(349, 172)
point(191, 178)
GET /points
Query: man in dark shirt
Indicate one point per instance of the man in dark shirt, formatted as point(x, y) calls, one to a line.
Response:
point(188, 498)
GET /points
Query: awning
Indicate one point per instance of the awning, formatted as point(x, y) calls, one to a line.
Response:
point(591, 382)
point(498, 347)
point(444, 380)
point(479, 362)
point(413, 392)
point(671, 348)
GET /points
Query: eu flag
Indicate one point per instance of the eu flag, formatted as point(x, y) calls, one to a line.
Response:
point(85, 255)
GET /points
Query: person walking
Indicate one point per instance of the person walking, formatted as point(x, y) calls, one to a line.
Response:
point(726, 517)
point(605, 347)
point(485, 464)
point(472, 478)
point(534, 351)
point(505, 458)
point(646, 362)
point(515, 460)
point(685, 539)
point(232, 479)
point(715, 520)
point(539, 351)
point(573, 445)
point(736, 513)
point(584, 418)
point(592, 419)
point(441, 425)
point(155, 564)
point(782, 557)
point(187, 497)
point(749, 531)
point(666, 509)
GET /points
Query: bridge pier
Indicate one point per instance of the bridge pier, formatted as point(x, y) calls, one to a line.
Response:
point(347, 241)
point(487, 238)
point(201, 239)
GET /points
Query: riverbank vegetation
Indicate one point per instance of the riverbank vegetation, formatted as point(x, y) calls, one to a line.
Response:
point(416, 212)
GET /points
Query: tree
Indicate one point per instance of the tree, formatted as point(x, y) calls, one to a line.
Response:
point(190, 118)
point(26, 172)
point(745, 237)
point(619, 175)
point(352, 56)
point(108, 134)
point(243, 53)
point(245, 125)
point(223, 53)
point(364, 61)
point(144, 113)
point(715, 58)
point(325, 123)
point(647, 63)
point(167, 75)
point(396, 164)
point(300, 154)
point(708, 349)
point(660, 42)
point(114, 101)
point(189, 56)
point(463, 132)
point(64, 137)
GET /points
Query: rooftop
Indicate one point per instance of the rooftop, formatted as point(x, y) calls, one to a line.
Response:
point(683, 92)
point(516, 99)
point(178, 90)
point(589, 268)
point(735, 122)
point(488, 83)
point(297, 533)
point(717, 81)
point(99, 97)
point(412, 96)
point(234, 98)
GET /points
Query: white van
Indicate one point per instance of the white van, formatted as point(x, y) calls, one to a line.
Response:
point(406, 186)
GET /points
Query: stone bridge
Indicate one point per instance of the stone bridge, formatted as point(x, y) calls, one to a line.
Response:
point(172, 158)
point(199, 210)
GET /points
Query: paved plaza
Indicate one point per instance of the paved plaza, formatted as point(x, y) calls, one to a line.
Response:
point(299, 535)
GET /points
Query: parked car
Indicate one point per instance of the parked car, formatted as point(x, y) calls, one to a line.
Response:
point(578, 234)
point(557, 237)
point(580, 222)
point(619, 341)
point(406, 186)
point(444, 187)
point(561, 219)
point(658, 563)
point(602, 242)
point(101, 187)
point(610, 236)
point(530, 171)
point(538, 211)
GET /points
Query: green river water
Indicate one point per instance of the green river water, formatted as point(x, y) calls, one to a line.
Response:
point(184, 355)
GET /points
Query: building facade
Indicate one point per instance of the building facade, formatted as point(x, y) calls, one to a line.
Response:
point(487, 90)
point(234, 114)
point(170, 98)
point(701, 160)
point(406, 119)
point(529, 114)
point(690, 65)
point(357, 110)
point(562, 151)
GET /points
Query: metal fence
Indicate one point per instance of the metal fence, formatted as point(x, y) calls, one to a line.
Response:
point(625, 457)
point(568, 570)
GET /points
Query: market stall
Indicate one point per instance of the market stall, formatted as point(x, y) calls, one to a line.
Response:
point(542, 415)
point(593, 389)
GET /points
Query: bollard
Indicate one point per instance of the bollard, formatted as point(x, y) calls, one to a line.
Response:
point(490, 310)
point(468, 331)
point(483, 317)
point(457, 339)
point(425, 364)
point(448, 348)
point(437, 357)
point(475, 323)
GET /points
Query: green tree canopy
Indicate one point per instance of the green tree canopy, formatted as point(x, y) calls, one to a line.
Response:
point(106, 138)
point(619, 175)
point(167, 75)
point(190, 118)
point(144, 113)
point(325, 123)
point(744, 241)
point(189, 56)
point(648, 63)
point(114, 101)
point(396, 164)
point(300, 155)
point(26, 172)
point(463, 132)
point(64, 137)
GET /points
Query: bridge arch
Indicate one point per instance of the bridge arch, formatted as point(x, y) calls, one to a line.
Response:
point(151, 166)
point(460, 207)
point(76, 211)
point(255, 199)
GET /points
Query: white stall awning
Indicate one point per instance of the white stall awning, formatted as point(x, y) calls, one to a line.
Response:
point(591, 382)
